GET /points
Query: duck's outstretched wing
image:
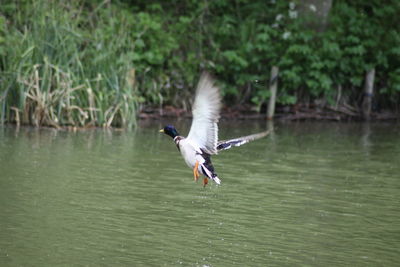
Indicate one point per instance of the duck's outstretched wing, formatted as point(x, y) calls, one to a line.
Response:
point(224, 145)
point(206, 108)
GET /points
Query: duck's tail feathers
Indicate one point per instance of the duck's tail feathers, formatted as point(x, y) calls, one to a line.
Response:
point(210, 174)
point(216, 180)
point(226, 144)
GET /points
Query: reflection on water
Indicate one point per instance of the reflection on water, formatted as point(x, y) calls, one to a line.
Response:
point(310, 194)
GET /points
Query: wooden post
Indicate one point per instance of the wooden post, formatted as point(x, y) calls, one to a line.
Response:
point(368, 93)
point(273, 85)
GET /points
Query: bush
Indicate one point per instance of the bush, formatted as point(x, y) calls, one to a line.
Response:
point(98, 62)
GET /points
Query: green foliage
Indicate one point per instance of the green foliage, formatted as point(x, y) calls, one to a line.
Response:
point(97, 62)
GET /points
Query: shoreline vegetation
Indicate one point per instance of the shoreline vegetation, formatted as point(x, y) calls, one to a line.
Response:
point(109, 63)
point(285, 113)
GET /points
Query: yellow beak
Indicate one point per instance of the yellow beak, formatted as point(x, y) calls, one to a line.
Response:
point(161, 131)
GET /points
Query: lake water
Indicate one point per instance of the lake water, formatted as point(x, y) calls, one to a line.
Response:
point(310, 194)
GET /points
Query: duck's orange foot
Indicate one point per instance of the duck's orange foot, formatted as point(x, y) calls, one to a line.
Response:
point(196, 171)
point(205, 182)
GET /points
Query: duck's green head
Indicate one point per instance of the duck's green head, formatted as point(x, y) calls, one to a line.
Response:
point(170, 130)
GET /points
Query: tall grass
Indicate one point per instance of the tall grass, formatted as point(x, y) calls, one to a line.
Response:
point(62, 65)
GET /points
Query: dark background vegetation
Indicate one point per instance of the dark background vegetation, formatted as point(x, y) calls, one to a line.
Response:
point(99, 63)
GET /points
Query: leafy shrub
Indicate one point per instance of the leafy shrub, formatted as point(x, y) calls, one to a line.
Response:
point(109, 58)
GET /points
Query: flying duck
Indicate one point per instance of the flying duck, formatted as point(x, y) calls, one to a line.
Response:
point(202, 140)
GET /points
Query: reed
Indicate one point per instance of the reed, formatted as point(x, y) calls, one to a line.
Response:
point(55, 72)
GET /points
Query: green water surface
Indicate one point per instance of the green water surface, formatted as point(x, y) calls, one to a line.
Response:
point(311, 194)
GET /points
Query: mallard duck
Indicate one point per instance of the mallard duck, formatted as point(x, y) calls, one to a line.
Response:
point(202, 140)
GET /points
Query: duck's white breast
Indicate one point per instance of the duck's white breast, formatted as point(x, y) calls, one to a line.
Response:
point(190, 152)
